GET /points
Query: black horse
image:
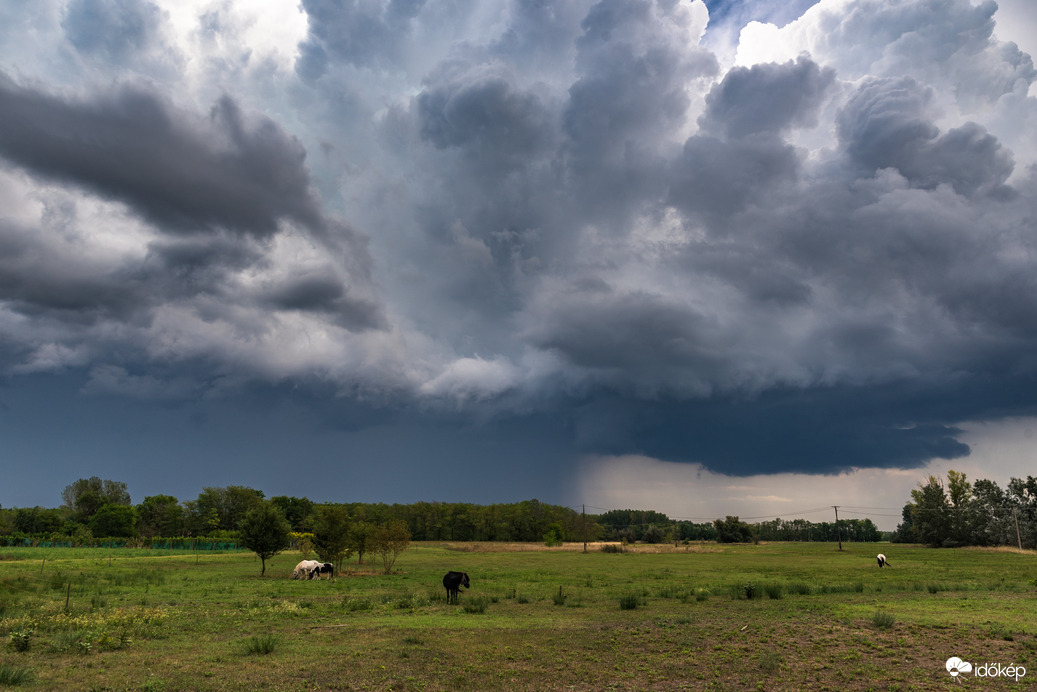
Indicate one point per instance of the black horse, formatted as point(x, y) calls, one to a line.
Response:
point(453, 581)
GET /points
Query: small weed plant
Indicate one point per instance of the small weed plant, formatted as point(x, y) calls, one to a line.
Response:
point(12, 676)
point(476, 606)
point(261, 644)
point(21, 640)
point(629, 601)
point(882, 620)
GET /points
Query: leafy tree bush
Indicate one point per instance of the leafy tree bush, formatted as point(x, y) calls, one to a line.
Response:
point(117, 521)
point(160, 515)
point(331, 534)
point(553, 536)
point(733, 530)
point(264, 531)
point(359, 540)
point(388, 541)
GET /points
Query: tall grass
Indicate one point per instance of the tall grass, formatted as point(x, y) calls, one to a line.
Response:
point(12, 676)
point(261, 644)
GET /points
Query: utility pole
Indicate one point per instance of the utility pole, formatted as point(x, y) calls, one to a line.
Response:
point(837, 531)
point(583, 516)
point(1018, 538)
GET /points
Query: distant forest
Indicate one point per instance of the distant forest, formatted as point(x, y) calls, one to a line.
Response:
point(96, 511)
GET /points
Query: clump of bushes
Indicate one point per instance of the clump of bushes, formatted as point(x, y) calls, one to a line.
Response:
point(20, 640)
point(262, 644)
point(11, 676)
point(475, 606)
point(883, 620)
point(629, 601)
point(612, 548)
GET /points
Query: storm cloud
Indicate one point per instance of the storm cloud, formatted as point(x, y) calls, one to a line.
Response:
point(809, 251)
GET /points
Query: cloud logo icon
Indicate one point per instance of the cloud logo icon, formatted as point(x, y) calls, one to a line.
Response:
point(955, 666)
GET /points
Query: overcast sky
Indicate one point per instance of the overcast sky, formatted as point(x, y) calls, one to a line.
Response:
point(753, 258)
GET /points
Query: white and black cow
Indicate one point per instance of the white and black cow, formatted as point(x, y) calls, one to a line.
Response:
point(305, 569)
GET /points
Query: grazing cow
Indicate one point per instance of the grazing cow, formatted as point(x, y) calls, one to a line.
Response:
point(882, 560)
point(453, 581)
point(305, 569)
point(325, 568)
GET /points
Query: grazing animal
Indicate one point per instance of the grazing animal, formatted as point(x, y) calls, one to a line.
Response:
point(325, 568)
point(453, 581)
point(305, 569)
point(882, 560)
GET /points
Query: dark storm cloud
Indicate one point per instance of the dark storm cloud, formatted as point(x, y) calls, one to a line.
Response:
point(573, 229)
point(325, 293)
point(715, 177)
point(187, 175)
point(498, 126)
point(820, 430)
point(884, 125)
point(68, 290)
point(766, 98)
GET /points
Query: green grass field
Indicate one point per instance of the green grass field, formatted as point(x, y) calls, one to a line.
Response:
point(769, 617)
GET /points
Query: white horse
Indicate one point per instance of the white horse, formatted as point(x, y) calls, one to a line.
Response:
point(305, 569)
point(882, 560)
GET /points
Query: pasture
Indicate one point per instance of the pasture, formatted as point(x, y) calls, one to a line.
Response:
point(778, 616)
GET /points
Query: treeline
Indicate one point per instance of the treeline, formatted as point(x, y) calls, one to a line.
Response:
point(95, 508)
point(958, 513)
point(97, 512)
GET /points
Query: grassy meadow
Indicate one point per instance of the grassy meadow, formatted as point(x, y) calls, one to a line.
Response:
point(780, 616)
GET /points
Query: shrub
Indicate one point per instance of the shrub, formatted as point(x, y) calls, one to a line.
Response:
point(20, 640)
point(355, 604)
point(799, 588)
point(11, 676)
point(629, 601)
point(260, 644)
point(553, 537)
point(883, 621)
point(612, 548)
point(475, 606)
point(773, 590)
point(749, 590)
point(701, 594)
point(560, 597)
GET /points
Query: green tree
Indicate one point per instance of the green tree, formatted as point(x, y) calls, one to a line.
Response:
point(733, 530)
point(87, 495)
point(553, 536)
point(160, 515)
point(264, 531)
point(298, 511)
point(37, 520)
point(359, 540)
point(388, 541)
point(930, 512)
point(118, 521)
point(331, 534)
point(224, 508)
point(993, 523)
